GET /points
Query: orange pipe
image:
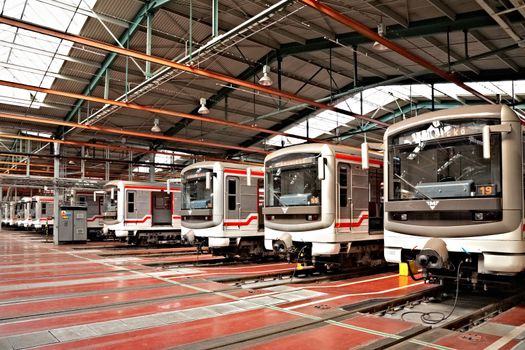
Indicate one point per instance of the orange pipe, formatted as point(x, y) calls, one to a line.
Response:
point(372, 35)
point(178, 66)
point(48, 121)
point(148, 109)
point(117, 148)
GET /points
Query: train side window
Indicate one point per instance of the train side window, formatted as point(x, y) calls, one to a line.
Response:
point(343, 186)
point(44, 208)
point(131, 202)
point(82, 200)
point(232, 194)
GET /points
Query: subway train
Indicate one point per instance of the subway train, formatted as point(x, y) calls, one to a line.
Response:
point(41, 212)
point(142, 212)
point(222, 208)
point(322, 207)
point(454, 194)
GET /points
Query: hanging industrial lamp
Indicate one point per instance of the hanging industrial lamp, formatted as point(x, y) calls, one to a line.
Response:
point(156, 127)
point(265, 79)
point(203, 109)
point(377, 45)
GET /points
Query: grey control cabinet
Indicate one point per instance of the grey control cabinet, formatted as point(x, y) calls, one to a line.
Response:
point(72, 225)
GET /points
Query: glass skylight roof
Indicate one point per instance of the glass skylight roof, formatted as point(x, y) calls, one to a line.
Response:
point(30, 66)
point(325, 122)
point(165, 159)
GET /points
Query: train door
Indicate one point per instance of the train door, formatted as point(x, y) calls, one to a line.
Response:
point(360, 200)
point(161, 211)
point(260, 204)
point(344, 195)
point(233, 203)
point(375, 207)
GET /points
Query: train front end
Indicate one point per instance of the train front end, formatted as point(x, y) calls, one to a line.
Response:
point(454, 193)
point(299, 211)
point(113, 212)
point(202, 205)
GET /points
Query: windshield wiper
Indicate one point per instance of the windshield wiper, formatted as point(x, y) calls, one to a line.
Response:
point(279, 199)
point(414, 187)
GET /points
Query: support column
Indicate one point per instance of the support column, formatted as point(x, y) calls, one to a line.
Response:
point(130, 167)
point(28, 159)
point(149, 24)
point(82, 162)
point(107, 165)
point(215, 18)
point(56, 195)
point(152, 169)
point(106, 85)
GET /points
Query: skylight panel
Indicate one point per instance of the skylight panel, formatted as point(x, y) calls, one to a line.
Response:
point(60, 15)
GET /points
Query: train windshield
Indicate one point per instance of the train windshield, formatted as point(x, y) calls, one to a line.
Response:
point(291, 180)
point(110, 203)
point(444, 160)
point(194, 192)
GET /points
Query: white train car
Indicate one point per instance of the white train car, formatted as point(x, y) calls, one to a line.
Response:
point(24, 213)
point(19, 213)
point(322, 206)
point(11, 214)
point(5, 213)
point(41, 212)
point(222, 207)
point(141, 212)
point(454, 192)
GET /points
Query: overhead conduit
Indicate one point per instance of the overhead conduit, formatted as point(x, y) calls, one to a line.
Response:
point(193, 70)
point(147, 109)
point(40, 120)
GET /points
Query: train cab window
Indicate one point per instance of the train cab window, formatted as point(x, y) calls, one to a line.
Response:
point(131, 202)
point(232, 194)
point(343, 186)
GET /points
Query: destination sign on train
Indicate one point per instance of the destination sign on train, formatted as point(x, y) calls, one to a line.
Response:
point(440, 131)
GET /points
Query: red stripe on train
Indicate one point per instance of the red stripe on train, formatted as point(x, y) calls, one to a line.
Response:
point(241, 223)
point(352, 224)
point(357, 159)
point(242, 172)
point(138, 221)
point(174, 189)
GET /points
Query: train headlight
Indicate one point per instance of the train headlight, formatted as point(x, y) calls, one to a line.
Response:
point(478, 216)
point(403, 217)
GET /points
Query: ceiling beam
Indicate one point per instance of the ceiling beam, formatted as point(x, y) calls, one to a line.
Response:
point(388, 12)
point(444, 9)
point(149, 7)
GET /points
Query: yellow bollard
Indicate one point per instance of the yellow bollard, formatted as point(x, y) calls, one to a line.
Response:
point(403, 268)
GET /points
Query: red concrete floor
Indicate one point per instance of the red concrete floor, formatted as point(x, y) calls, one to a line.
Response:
point(93, 297)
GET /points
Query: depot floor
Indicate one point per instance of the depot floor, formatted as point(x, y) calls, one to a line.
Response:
point(94, 296)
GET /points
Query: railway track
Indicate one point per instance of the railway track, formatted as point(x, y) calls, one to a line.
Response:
point(471, 310)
